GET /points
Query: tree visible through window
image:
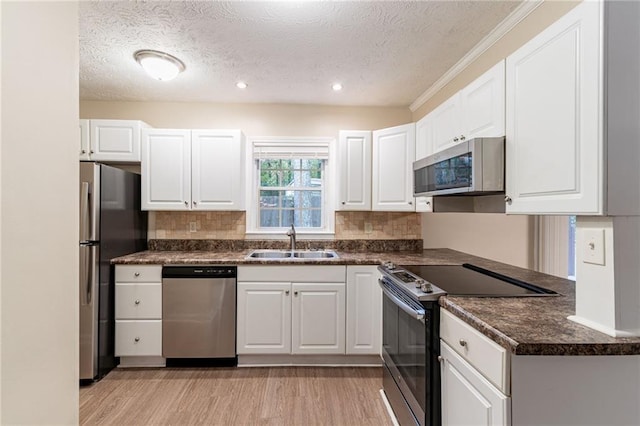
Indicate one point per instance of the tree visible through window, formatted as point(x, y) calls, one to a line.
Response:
point(291, 192)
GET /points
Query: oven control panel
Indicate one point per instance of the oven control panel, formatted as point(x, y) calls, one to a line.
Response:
point(418, 288)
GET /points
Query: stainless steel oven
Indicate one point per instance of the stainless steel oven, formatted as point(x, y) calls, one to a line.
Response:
point(410, 349)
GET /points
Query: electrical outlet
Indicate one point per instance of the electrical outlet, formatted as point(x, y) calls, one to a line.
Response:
point(193, 227)
point(593, 246)
point(368, 228)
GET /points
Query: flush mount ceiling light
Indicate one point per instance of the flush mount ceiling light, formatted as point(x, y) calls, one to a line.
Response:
point(241, 85)
point(159, 65)
point(336, 87)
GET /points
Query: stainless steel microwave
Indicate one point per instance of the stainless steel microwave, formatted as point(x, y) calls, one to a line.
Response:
point(473, 167)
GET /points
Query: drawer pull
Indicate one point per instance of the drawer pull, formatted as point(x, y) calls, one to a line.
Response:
point(137, 274)
point(463, 343)
point(137, 302)
point(440, 359)
point(137, 339)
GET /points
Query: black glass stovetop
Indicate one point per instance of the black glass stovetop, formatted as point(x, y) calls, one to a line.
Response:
point(470, 280)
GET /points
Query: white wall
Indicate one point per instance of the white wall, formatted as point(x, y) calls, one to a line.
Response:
point(499, 237)
point(39, 214)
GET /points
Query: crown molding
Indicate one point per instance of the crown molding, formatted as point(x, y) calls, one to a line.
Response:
point(492, 38)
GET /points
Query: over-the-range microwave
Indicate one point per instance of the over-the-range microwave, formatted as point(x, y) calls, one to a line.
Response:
point(472, 167)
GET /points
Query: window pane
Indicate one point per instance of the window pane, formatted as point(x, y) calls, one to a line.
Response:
point(309, 218)
point(288, 218)
point(269, 178)
point(270, 164)
point(311, 199)
point(270, 218)
point(289, 199)
point(269, 198)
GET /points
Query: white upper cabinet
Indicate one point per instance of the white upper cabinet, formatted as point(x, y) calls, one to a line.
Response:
point(111, 140)
point(84, 140)
point(354, 170)
point(554, 146)
point(478, 110)
point(217, 170)
point(393, 155)
point(483, 105)
point(166, 169)
point(192, 170)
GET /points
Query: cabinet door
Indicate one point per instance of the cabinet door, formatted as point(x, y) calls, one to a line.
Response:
point(217, 165)
point(264, 318)
point(318, 318)
point(115, 140)
point(84, 140)
point(483, 105)
point(554, 147)
point(393, 154)
point(364, 310)
point(424, 148)
point(467, 397)
point(447, 122)
point(355, 170)
point(166, 169)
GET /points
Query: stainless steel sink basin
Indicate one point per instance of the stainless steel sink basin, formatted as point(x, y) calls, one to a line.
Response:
point(288, 254)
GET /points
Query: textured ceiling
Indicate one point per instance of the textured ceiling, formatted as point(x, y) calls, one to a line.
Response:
point(384, 53)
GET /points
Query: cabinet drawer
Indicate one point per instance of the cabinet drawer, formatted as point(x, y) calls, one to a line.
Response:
point(139, 338)
point(139, 273)
point(139, 301)
point(489, 358)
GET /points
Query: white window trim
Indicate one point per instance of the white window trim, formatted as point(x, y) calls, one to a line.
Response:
point(328, 211)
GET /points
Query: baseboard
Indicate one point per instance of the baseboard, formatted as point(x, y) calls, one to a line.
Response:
point(309, 360)
point(141, 361)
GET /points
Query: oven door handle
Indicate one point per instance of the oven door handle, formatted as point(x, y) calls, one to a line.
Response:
point(417, 314)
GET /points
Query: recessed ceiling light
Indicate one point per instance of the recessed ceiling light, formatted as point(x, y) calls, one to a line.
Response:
point(336, 87)
point(159, 65)
point(241, 85)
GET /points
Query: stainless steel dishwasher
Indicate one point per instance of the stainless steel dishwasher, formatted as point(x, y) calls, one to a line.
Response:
point(199, 311)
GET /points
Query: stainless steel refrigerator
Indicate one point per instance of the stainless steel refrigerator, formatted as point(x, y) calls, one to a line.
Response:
point(111, 225)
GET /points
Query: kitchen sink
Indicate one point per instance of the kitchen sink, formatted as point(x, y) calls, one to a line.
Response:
point(296, 254)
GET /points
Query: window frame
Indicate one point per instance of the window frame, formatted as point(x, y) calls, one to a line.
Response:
point(253, 230)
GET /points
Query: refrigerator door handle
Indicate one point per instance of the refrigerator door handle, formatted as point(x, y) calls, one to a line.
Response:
point(87, 259)
point(85, 214)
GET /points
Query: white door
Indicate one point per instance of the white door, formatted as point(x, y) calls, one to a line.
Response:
point(393, 154)
point(554, 147)
point(483, 104)
point(468, 399)
point(318, 318)
point(355, 170)
point(115, 140)
point(84, 140)
point(264, 318)
point(217, 167)
point(166, 169)
point(364, 310)
point(447, 124)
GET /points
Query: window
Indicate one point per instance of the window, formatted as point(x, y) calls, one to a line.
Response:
point(292, 183)
point(291, 192)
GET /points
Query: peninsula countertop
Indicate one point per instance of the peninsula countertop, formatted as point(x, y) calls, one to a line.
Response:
point(523, 325)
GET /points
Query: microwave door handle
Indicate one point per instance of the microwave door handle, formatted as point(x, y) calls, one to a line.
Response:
point(419, 315)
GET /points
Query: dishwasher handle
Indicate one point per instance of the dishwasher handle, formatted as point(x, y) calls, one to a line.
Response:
point(200, 271)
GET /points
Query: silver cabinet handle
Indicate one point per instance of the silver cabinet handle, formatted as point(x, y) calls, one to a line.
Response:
point(440, 358)
point(343, 203)
point(455, 139)
point(137, 302)
point(410, 202)
point(137, 339)
point(194, 203)
point(84, 151)
point(286, 292)
point(186, 203)
point(462, 137)
point(137, 274)
point(91, 152)
point(295, 293)
point(508, 200)
point(428, 203)
point(463, 343)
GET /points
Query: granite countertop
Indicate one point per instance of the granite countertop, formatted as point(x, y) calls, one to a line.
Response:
point(524, 325)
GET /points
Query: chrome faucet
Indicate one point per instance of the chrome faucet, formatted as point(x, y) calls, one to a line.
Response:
point(291, 233)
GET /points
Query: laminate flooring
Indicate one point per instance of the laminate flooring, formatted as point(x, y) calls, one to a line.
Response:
point(236, 396)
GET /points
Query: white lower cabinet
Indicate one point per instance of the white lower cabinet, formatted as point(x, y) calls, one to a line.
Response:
point(291, 310)
point(364, 310)
point(138, 313)
point(467, 397)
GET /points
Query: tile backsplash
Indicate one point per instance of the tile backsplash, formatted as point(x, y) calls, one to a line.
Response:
point(232, 225)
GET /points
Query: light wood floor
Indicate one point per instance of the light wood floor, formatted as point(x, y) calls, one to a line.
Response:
point(236, 396)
